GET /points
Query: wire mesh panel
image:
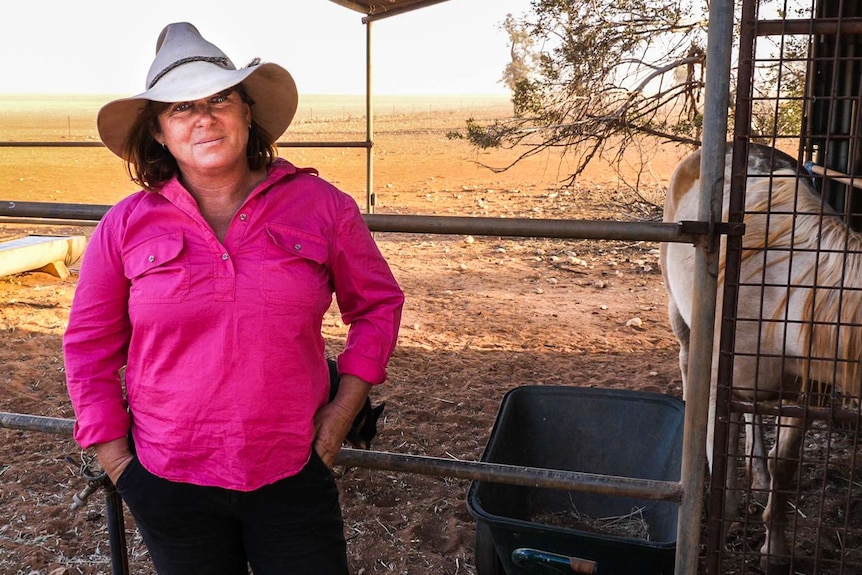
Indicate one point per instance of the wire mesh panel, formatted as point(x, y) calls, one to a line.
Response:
point(788, 498)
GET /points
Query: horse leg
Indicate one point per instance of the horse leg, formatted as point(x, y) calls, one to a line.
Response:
point(755, 453)
point(732, 495)
point(783, 462)
point(683, 334)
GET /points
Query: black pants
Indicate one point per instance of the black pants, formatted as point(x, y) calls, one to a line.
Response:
point(292, 526)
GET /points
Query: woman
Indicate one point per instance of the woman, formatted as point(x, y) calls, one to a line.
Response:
point(209, 287)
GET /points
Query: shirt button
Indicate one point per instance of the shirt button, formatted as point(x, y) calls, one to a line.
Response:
point(297, 246)
point(225, 257)
point(243, 217)
point(151, 259)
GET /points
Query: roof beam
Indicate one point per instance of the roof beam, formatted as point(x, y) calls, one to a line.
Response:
point(352, 5)
point(375, 10)
point(400, 9)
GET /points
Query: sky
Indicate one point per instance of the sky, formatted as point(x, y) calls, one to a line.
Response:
point(107, 46)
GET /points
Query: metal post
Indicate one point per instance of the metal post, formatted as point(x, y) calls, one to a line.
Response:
point(369, 125)
point(116, 529)
point(719, 44)
point(721, 463)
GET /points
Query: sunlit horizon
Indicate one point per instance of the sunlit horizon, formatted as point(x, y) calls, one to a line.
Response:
point(452, 48)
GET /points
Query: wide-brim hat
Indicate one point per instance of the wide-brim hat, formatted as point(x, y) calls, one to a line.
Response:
point(188, 67)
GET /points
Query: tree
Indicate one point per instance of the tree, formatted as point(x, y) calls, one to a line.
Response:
point(592, 77)
point(524, 57)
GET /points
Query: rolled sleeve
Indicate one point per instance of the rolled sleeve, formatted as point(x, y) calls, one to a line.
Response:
point(369, 299)
point(96, 341)
point(101, 422)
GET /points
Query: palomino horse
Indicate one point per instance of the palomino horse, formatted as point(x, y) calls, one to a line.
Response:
point(798, 312)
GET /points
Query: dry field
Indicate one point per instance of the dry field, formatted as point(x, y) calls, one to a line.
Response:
point(483, 315)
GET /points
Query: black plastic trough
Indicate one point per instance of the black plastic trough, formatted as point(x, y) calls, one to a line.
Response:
point(612, 432)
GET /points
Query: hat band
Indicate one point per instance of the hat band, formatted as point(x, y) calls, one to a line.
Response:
point(220, 60)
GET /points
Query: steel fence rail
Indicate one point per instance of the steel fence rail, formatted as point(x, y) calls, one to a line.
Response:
point(683, 232)
point(439, 467)
point(365, 144)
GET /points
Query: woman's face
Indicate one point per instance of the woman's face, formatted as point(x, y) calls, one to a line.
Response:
point(206, 135)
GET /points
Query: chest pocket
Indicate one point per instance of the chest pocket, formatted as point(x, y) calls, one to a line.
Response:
point(158, 271)
point(294, 267)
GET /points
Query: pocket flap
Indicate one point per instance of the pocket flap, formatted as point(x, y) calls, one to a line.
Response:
point(153, 253)
point(299, 243)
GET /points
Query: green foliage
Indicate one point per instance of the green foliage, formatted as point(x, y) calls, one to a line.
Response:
point(588, 73)
point(483, 137)
point(527, 98)
point(779, 91)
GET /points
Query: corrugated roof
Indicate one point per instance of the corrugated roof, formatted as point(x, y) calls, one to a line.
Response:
point(382, 8)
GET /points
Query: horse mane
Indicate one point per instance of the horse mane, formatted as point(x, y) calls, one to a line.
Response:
point(784, 214)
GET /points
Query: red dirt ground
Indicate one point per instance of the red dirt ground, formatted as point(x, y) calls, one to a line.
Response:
point(483, 315)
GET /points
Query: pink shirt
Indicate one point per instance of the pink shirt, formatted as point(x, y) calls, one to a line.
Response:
point(222, 343)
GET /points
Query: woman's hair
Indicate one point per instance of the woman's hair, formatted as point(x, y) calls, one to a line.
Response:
point(151, 165)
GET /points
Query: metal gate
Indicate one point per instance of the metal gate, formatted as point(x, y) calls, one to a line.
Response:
point(799, 89)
